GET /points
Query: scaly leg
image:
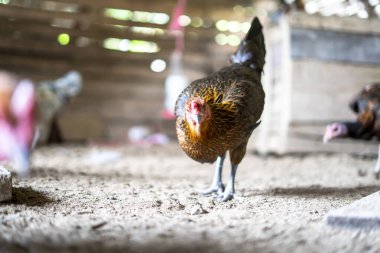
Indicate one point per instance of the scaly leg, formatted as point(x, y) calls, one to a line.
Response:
point(216, 185)
point(236, 156)
point(377, 166)
point(229, 192)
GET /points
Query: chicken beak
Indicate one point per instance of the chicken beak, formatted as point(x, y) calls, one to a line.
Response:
point(198, 119)
point(326, 138)
point(329, 134)
point(21, 160)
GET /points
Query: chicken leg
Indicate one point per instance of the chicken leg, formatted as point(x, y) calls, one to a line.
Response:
point(229, 192)
point(377, 166)
point(236, 156)
point(216, 185)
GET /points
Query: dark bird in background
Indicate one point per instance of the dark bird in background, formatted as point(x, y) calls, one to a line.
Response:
point(218, 113)
point(366, 105)
point(26, 113)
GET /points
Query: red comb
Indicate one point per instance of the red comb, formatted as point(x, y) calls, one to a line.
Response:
point(195, 107)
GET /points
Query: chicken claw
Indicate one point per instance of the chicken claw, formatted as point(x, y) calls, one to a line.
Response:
point(226, 197)
point(229, 192)
point(218, 189)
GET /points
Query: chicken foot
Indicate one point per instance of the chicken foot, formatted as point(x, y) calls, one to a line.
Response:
point(216, 185)
point(229, 192)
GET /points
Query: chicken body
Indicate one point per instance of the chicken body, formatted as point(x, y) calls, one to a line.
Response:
point(366, 104)
point(218, 113)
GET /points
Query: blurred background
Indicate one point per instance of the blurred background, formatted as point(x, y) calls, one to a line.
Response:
point(319, 54)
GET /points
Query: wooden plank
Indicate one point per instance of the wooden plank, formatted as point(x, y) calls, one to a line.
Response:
point(335, 46)
point(139, 69)
point(299, 145)
point(95, 34)
point(194, 60)
point(91, 74)
point(84, 18)
point(97, 30)
point(112, 21)
point(48, 46)
point(81, 126)
point(93, 13)
point(314, 81)
point(52, 49)
point(335, 23)
point(162, 6)
point(119, 130)
point(123, 90)
point(193, 6)
point(72, 53)
point(15, 12)
point(49, 36)
point(109, 108)
point(87, 67)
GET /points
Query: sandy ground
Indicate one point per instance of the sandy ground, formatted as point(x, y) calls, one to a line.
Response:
point(146, 201)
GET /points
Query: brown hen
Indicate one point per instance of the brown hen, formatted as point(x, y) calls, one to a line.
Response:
point(366, 104)
point(218, 113)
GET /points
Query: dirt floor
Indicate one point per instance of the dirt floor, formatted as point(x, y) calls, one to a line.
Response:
point(144, 199)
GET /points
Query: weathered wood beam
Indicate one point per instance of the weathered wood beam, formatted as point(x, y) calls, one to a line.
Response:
point(125, 67)
point(100, 31)
point(51, 33)
point(120, 108)
point(161, 6)
point(15, 12)
point(72, 51)
point(191, 59)
point(130, 74)
point(23, 13)
point(94, 54)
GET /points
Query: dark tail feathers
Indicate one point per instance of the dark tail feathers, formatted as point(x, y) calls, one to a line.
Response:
point(251, 51)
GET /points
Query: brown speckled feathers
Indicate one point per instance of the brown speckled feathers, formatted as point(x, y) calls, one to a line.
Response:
point(235, 97)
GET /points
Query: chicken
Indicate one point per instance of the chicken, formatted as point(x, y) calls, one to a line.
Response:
point(26, 113)
point(51, 96)
point(366, 105)
point(218, 113)
point(17, 120)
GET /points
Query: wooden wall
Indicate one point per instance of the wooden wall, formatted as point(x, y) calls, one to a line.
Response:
point(119, 89)
point(315, 65)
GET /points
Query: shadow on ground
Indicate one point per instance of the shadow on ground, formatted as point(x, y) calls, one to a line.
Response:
point(316, 191)
point(28, 196)
point(95, 247)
